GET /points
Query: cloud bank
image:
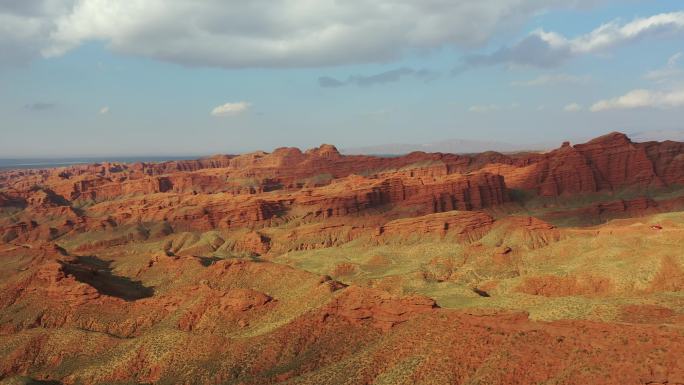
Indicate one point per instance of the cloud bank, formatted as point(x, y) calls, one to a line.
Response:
point(260, 33)
point(642, 99)
point(549, 49)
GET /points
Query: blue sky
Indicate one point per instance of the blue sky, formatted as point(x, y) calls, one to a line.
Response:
point(90, 78)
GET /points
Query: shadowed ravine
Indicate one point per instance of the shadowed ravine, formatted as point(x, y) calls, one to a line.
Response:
point(98, 274)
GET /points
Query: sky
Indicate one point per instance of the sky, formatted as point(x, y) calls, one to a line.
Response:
point(177, 77)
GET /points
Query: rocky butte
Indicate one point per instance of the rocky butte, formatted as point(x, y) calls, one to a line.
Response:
point(313, 267)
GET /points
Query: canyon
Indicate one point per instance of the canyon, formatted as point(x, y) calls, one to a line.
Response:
point(309, 267)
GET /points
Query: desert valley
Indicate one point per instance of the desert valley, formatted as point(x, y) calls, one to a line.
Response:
point(312, 267)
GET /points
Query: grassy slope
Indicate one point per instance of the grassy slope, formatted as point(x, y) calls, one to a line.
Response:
point(627, 252)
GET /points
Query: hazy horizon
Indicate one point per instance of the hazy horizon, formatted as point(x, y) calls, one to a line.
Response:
point(379, 149)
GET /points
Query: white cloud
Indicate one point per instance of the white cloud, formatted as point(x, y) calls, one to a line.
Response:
point(230, 109)
point(572, 107)
point(550, 49)
point(642, 99)
point(104, 110)
point(670, 70)
point(264, 33)
point(549, 80)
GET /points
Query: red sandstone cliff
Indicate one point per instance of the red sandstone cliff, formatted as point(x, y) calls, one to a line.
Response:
point(609, 162)
point(257, 189)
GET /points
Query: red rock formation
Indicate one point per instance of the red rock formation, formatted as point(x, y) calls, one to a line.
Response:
point(318, 235)
point(609, 162)
point(523, 231)
point(254, 242)
point(647, 314)
point(58, 286)
point(220, 192)
point(355, 194)
point(606, 163)
point(238, 191)
point(610, 210)
point(377, 308)
point(327, 151)
point(467, 225)
point(556, 286)
point(220, 305)
point(50, 282)
point(200, 212)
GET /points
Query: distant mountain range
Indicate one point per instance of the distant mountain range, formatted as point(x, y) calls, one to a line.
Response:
point(455, 146)
point(465, 146)
point(658, 135)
